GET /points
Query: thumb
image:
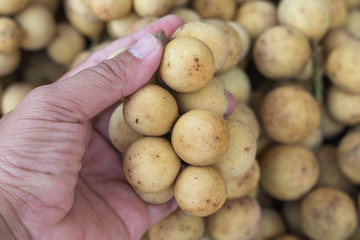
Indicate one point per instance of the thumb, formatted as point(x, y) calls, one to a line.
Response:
point(92, 90)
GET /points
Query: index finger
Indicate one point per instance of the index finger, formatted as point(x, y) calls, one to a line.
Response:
point(167, 23)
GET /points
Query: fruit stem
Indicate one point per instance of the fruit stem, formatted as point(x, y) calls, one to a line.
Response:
point(160, 34)
point(318, 84)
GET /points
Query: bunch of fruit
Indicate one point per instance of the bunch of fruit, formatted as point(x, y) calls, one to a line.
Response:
point(251, 122)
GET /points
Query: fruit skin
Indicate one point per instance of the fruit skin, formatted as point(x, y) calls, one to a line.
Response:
point(237, 219)
point(211, 35)
point(187, 64)
point(288, 172)
point(200, 191)
point(151, 165)
point(274, 52)
point(200, 137)
point(289, 114)
point(343, 67)
point(310, 17)
point(328, 213)
point(348, 156)
point(151, 111)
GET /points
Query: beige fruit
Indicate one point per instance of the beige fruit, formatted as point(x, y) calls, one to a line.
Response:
point(107, 10)
point(237, 82)
point(343, 107)
point(178, 225)
point(241, 186)
point(348, 156)
point(38, 25)
point(288, 172)
point(152, 8)
point(289, 114)
point(240, 155)
point(67, 43)
point(200, 191)
point(13, 95)
point(330, 173)
point(274, 52)
point(187, 14)
point(337, 37)
point(213, 96)
point(246, 115)
point(211, 35)
point(343, 67)
point(200, 137)
point(310, 17)
point(272, 224)
point(223, 10)
point(187, 64)
point(256, 16)
point(328, 213)
point(117, 28)
point(151, 110)
point(12, 7)
point(151, 164)
point(10, 37)
point(338, 13)
point(245, 39)
point(156, 197)
point(121, 135)
point(238, 219)
point(234, 42)
point(352, 24)
point(9, 62)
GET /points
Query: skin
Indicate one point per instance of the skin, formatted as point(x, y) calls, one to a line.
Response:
point(60, 178)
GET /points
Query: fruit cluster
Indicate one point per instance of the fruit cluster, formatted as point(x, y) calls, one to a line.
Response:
point(251, 121)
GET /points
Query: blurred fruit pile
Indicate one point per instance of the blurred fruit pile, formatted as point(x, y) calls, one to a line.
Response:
point(289, 166)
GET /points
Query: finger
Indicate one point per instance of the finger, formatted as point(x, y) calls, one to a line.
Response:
point(168, 23)
point(87, 93)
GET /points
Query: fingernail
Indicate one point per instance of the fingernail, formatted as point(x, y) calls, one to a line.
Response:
point(144, 47)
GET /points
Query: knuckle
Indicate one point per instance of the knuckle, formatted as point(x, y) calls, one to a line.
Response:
point(115, 72)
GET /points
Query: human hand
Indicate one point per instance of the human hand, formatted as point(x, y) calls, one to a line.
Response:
point(60, 177)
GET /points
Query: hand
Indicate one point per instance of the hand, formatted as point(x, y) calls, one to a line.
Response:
point(60, 177)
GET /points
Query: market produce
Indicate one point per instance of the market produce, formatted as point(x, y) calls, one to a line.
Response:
point(237, 82)
point(151, 111)
point(38, 25)
point(289, 114)
point(13, 94)
point(348, 154)
point(238, 219)
point(208, 145)
point(211, 35)
point(342, 106)
point(254, 108)
point(242, 185)
point(200, 191)
point(178, 225)
point(213, 96)
point(328, 213)
point(343, 67)
point(274, 52)
point(193, 56)
point(288, 172)
point(256, 16)
point(240, 155)
point(151, 164)
point(310, 17)
point(11, 35)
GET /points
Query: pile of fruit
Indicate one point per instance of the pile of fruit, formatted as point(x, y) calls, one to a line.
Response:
point(252, 121)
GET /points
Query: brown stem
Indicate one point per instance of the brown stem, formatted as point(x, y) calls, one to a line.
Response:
point(160, 34)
